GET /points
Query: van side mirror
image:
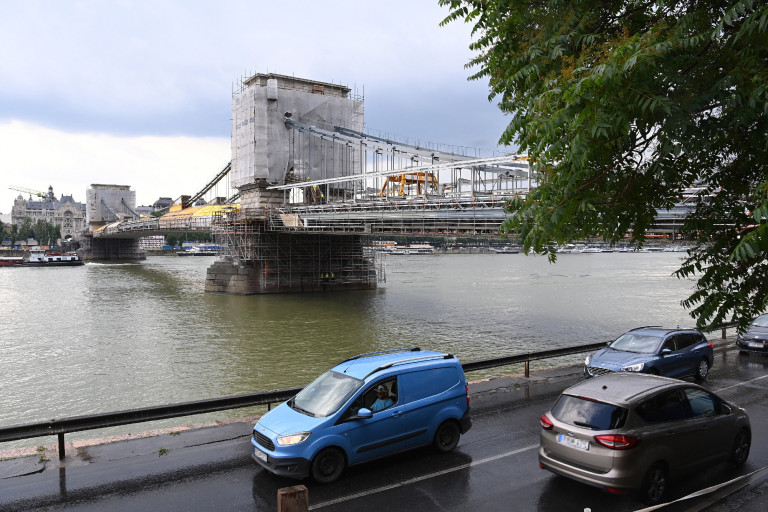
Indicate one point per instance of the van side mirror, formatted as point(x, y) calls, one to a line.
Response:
point(364, 413)
point(665, 351)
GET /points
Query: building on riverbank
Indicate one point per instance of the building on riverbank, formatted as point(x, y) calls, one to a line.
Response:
point(66, 213)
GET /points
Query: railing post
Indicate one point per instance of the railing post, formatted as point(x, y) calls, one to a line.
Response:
point(293, 499)
point(723, 332)
point(61, 446)
point(527, 368)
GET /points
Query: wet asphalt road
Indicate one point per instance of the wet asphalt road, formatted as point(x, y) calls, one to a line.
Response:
point(494, 467)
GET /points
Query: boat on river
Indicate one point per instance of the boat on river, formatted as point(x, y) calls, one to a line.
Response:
point(504, 250)
point(8, 261)
point(53, 259)
point(196, 251)
point(413, 249)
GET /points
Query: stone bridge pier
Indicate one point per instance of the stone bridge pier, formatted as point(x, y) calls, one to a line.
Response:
point(111, 249)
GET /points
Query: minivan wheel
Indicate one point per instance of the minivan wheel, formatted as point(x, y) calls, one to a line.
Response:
point(741, 445)
point(328, 465)
point(702, 370)
point(447, 436)
point(654, 484)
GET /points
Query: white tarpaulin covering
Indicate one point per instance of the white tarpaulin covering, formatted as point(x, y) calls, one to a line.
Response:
point(262, 146)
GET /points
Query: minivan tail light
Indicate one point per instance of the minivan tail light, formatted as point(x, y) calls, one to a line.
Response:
point(545, 423)
point(466, 386)
point(617, 442)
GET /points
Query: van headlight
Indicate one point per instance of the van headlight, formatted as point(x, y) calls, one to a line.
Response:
point(633, 367)
point(586, 361)
point(292, 439)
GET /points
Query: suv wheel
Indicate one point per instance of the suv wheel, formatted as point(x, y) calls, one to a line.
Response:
point(702, 370)
point(654, 484)
point(741, 446)
point(328, 465)
point(447, 436)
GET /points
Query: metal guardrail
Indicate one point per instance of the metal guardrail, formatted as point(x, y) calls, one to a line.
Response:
point(112, 419)
point(528, 357)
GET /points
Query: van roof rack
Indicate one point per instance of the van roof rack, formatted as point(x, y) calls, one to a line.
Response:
point(409, 360)
point(391, 351)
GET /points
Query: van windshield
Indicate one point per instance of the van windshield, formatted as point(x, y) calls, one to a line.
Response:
point(325, 395)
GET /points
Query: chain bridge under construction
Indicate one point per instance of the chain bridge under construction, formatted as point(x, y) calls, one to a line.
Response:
point(308, 187)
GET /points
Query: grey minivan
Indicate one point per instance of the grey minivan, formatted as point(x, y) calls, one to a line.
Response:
point(630, 431)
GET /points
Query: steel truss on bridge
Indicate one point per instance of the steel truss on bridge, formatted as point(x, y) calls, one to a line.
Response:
point(337, 164)
point(474, 216)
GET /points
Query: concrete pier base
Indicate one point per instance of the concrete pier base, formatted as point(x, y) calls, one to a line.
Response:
point(111, 249)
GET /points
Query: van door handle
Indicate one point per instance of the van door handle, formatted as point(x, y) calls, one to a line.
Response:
point(397, 414)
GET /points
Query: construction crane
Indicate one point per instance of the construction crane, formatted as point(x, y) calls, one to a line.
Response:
point(29, 191)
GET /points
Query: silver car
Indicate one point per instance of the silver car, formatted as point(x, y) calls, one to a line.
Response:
point(629, 431)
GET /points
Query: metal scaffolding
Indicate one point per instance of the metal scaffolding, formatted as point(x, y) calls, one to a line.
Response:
point(297, 261)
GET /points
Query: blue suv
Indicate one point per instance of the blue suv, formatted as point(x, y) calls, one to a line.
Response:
point(669, 352)
point(366, 407)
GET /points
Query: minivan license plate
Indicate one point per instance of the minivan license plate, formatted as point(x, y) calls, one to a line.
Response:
point(260, 454)
point(572, 441)
point(755, 344)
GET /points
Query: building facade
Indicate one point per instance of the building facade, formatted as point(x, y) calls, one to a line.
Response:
point(66, 213)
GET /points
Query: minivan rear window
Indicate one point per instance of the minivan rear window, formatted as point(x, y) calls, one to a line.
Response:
point(587, 413)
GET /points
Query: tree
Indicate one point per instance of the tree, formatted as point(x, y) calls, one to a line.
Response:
point(25, 230)
point(41, 232)
point(623, 104)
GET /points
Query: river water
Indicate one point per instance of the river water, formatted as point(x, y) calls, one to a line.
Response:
point(107, 337)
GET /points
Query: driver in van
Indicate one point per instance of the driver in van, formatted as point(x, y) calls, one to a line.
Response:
point(383, 401)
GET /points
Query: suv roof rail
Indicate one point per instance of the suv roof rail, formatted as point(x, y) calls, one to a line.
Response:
point(370, 354)
point(649, 327)
point(410, 360)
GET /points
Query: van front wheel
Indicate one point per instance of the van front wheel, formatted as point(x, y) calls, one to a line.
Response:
point(447, 436)
point(328, 465)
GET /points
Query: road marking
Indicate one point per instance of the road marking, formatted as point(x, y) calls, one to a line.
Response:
point(420, 478)
point(740, 481)
point(740, 383)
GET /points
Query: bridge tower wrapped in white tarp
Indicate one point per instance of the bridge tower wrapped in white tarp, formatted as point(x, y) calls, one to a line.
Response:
point(265, 152)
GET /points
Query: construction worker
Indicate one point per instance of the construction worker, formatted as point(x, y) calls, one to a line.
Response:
point(315, 192)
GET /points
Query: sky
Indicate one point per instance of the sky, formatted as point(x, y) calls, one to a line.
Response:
point(139, 93)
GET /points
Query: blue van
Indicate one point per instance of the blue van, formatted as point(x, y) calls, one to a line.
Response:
point(364, 408)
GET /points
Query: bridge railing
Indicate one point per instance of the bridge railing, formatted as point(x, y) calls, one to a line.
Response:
point(64, 426)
